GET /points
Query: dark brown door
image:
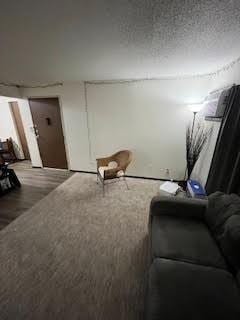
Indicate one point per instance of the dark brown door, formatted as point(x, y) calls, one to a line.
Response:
point(17, 119)
point(48, 129)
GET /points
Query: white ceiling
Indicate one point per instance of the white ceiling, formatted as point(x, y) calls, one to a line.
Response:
point(47, 41)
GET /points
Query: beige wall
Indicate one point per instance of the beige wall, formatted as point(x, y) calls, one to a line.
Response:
point(148, 117)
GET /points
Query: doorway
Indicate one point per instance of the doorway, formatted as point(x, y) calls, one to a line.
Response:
point(17, 119)
point(47, 126)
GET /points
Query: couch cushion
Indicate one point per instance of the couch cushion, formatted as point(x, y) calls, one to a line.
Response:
point(230, 241)
point(223, 219)
point(221, 207)
point(185, 240)
point(179, 290)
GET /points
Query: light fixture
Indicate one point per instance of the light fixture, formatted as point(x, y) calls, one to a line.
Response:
point(195, 107)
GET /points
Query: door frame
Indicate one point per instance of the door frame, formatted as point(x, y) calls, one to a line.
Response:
point(62, 122)
point(17, 129)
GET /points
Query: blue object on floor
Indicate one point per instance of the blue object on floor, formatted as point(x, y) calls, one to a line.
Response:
point(195, 189)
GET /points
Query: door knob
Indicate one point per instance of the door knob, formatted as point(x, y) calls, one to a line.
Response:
point(36, 131)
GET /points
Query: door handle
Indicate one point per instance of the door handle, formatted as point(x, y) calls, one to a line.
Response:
point(49, 121)
point(36, 131)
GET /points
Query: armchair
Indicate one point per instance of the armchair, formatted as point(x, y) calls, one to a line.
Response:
point(113, 167)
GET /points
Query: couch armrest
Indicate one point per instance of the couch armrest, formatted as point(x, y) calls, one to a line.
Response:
point(178, 207)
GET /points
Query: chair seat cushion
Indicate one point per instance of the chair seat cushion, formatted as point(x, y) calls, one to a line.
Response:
point(185, 240)
point(111, 165)
point(179, 290)
point(102, 169)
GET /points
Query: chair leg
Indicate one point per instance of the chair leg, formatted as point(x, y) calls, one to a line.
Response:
point(97, 178)
point(124, 178)
point(103, 188)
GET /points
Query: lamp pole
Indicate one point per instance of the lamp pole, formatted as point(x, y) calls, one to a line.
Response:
point(194, 118)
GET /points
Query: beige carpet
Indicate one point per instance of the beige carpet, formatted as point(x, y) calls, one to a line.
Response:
point(77, 254)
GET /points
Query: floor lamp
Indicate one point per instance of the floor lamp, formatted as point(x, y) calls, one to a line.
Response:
point(195, 108)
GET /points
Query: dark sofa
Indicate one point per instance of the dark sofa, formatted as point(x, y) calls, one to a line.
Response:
point(194, 254)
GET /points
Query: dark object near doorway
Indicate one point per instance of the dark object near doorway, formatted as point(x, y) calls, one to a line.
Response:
point(7, 152)
point(8, 179)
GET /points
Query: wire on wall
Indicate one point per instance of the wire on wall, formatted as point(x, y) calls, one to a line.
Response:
point(180, 77)
point(56, 84)
point(9, 84)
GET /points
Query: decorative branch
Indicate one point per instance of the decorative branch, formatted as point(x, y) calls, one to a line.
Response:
point(194, 145)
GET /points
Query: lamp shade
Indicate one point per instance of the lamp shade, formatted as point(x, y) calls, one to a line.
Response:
point(196, 107)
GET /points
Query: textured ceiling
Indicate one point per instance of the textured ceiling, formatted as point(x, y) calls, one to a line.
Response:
point(48, 41)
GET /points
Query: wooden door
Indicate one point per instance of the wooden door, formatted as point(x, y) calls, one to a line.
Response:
point(48, 129)
point(17, 119)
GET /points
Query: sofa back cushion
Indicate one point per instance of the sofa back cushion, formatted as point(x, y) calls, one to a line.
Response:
point(223, 220)
point(230, 241)
point(238, 278)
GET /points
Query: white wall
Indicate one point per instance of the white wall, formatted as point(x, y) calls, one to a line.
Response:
point(148, 117)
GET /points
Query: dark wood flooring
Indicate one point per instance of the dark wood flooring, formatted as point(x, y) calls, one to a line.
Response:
point(36, 184)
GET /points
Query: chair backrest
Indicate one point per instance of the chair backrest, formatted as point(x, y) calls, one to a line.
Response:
point(10, 144)
point(4, 145)
point(7, 145)
point(123, 158)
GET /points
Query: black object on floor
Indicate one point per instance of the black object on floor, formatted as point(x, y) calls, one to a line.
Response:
point(8, 179)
